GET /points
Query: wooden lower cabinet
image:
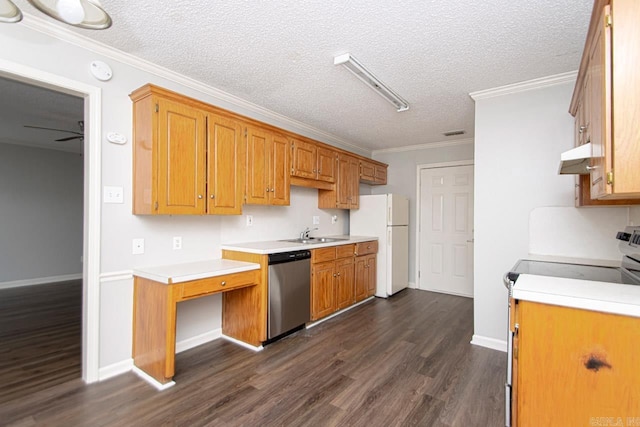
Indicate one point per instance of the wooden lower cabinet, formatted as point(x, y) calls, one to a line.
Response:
point(365, 277)
point(339, 278)
point(323, 296)
point(575, 367)
point(345, 291)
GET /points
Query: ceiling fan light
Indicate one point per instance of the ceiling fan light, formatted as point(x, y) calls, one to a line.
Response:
point(87, 14)
point(9, 12)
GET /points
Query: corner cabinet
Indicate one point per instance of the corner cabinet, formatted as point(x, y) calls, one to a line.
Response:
point(606, 104)
point(267, 168)
point(573, 366)
point(186, 159)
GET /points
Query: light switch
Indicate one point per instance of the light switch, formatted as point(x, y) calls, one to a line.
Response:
point(249, 220)
point(316, 220)
point(334, 219)
point(177, 243)
point(138, 246)
point(113, 195)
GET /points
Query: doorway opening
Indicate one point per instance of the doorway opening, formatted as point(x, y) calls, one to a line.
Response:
point(445, 228)
point(90, 98)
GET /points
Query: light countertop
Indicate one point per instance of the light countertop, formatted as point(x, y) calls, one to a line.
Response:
point(278, 246)
point(605, 297)
point(178, 273)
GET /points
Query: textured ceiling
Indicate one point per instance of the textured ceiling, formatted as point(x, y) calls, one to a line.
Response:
point(279, 55)
point(22, 104)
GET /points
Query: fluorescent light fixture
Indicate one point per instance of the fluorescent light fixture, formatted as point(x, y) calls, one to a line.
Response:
point(9, 12)
point(353, 65)
point(87, 14)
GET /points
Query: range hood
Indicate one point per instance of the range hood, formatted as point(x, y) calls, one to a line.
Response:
point(575, 161)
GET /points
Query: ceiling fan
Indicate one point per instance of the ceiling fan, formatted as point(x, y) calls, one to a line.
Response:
point(78, 135)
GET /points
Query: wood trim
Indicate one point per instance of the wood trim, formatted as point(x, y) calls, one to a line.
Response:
point(311, 183)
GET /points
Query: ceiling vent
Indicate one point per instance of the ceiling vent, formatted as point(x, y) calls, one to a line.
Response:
point(454, 132)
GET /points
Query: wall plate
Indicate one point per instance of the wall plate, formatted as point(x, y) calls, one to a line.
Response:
point(101, 71)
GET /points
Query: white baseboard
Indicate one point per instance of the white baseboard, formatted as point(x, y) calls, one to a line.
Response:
point(412, 285)
point(115, 369)
point(491, 343)
point(242, 344)
point(198, 340)
point(148, 378)
point(40, 281)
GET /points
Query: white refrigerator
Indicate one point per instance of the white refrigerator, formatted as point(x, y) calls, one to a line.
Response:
point(385, 216)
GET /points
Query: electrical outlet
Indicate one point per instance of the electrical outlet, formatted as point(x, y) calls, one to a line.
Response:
point(249, 220)
point(334, 219)
point(138, 246)
point(316, 220)
point(177, 243)
point(113, 195)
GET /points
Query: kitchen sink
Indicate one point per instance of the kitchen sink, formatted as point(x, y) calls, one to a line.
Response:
point(314, 240)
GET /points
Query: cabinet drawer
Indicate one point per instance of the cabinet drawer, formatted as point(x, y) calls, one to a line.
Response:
point(323, 254)
point(344, 251)
point(366, 248)
point(218, 284)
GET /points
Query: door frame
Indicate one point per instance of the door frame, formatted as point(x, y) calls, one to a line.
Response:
point(92, 96)
point(419, 168)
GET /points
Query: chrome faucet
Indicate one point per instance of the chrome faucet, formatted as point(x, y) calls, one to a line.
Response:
point(305, 234)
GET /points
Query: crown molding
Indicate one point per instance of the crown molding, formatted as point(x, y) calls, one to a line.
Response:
point(525, 86)
point(429, 145)
point(51, 29)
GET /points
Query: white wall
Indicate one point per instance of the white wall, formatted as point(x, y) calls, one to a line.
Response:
point(40, 213)
point(402, 179)
point(202, 236)
point(518, 141)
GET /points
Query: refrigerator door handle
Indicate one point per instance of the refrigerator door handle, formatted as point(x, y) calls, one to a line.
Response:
point(389, 237)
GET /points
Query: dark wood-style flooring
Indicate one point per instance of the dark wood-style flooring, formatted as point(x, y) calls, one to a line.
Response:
point(405, 361)
point(40, 338)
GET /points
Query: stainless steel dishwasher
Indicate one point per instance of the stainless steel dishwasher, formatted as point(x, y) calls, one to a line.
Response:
point(289, 292)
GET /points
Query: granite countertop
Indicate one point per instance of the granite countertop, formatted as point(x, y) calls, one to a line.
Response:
point(278, 246)
point(185, 272)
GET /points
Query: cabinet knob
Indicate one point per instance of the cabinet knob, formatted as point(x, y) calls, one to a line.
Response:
point(272, 190)
point(223, 283)
point(334, 275)
point(314, 171)
point(199, 196)
point(267, 189)
point(338, 274)
point(213, 196)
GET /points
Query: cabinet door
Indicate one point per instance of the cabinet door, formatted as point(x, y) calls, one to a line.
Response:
point(225, 156)
point(304, 159)
point(322, 289)
point(354, 183)
point(343, 186)
point(181, 158)
point(367, 172)
point(361, 277)
point(381, 175)
point(599, 114)
point(372, 275)
point(575, 365)
point(280, 186)
point(326, 165)
point(345, 291)
point(258, 166)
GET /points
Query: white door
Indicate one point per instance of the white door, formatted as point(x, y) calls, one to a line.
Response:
point(446, 230)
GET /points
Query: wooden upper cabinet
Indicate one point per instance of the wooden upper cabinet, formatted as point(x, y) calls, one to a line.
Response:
point(279, 168)
point(186, 159)
point(346, 193)
point(181, 158)
point(225, 165)
point(373, 173)
point(326, 165)
point(304, 159)
point(267, 168)
point(606, 103)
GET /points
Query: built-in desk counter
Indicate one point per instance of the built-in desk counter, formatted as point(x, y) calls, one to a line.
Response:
point(157, 290)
